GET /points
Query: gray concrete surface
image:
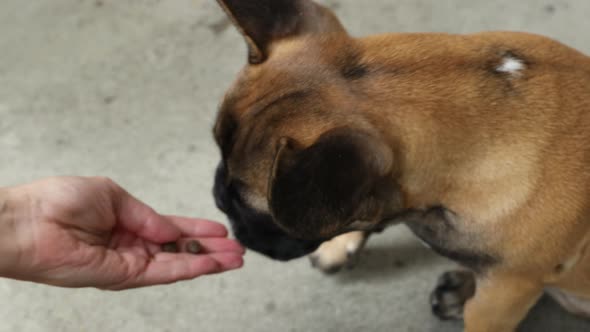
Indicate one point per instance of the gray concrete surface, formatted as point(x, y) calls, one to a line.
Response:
point(129, 89)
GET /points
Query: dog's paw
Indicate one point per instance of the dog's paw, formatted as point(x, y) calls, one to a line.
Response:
point(340, 252)
point(452, 290)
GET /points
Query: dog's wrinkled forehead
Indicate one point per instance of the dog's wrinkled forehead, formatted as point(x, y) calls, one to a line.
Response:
point(252, 110)
point(299, 99)
point(300, 59)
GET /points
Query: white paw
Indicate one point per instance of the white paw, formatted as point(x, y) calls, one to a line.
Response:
point(339, 252)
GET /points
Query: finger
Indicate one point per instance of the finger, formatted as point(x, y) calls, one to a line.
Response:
point(168, 268)
point(194, 227)
point(127, 270)
point(225, 261)
point(213, 245)
point(153, 248)
point(228, 261)
point(142, 220)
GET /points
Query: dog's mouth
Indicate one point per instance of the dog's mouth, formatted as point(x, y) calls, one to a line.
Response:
point(262, 236)
point(255, 230)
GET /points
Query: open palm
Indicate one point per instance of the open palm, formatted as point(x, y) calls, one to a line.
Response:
point(81, 232)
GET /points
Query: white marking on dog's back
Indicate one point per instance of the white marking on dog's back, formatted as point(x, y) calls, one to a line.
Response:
point(511, 65)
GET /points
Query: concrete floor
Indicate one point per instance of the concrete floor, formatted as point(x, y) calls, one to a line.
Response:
point(129, 89)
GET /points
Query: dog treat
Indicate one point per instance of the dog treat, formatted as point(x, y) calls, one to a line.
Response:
point(193, 247)
point(170, 247)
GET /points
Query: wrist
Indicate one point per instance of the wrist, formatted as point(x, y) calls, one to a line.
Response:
point(9, 251)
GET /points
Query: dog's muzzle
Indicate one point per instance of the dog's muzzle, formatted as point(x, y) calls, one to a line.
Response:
point(254, 229)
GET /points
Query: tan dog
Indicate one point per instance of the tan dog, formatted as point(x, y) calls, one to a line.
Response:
point(479, 143)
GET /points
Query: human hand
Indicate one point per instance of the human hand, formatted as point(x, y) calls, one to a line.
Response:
point(89, 232)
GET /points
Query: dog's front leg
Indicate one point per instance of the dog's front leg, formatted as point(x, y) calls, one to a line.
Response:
point(445, 233)
point(501, 298)
point(500, 302)
point(339, 252)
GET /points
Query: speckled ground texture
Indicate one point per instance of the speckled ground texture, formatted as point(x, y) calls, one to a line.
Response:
point(129, 89)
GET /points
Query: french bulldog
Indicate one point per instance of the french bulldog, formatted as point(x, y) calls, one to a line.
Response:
point(479, 143)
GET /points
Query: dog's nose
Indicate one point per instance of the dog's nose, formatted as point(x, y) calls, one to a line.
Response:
point(220, 188)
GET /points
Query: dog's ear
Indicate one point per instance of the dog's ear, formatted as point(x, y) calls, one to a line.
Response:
point(264, 21)
point(317, 191)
